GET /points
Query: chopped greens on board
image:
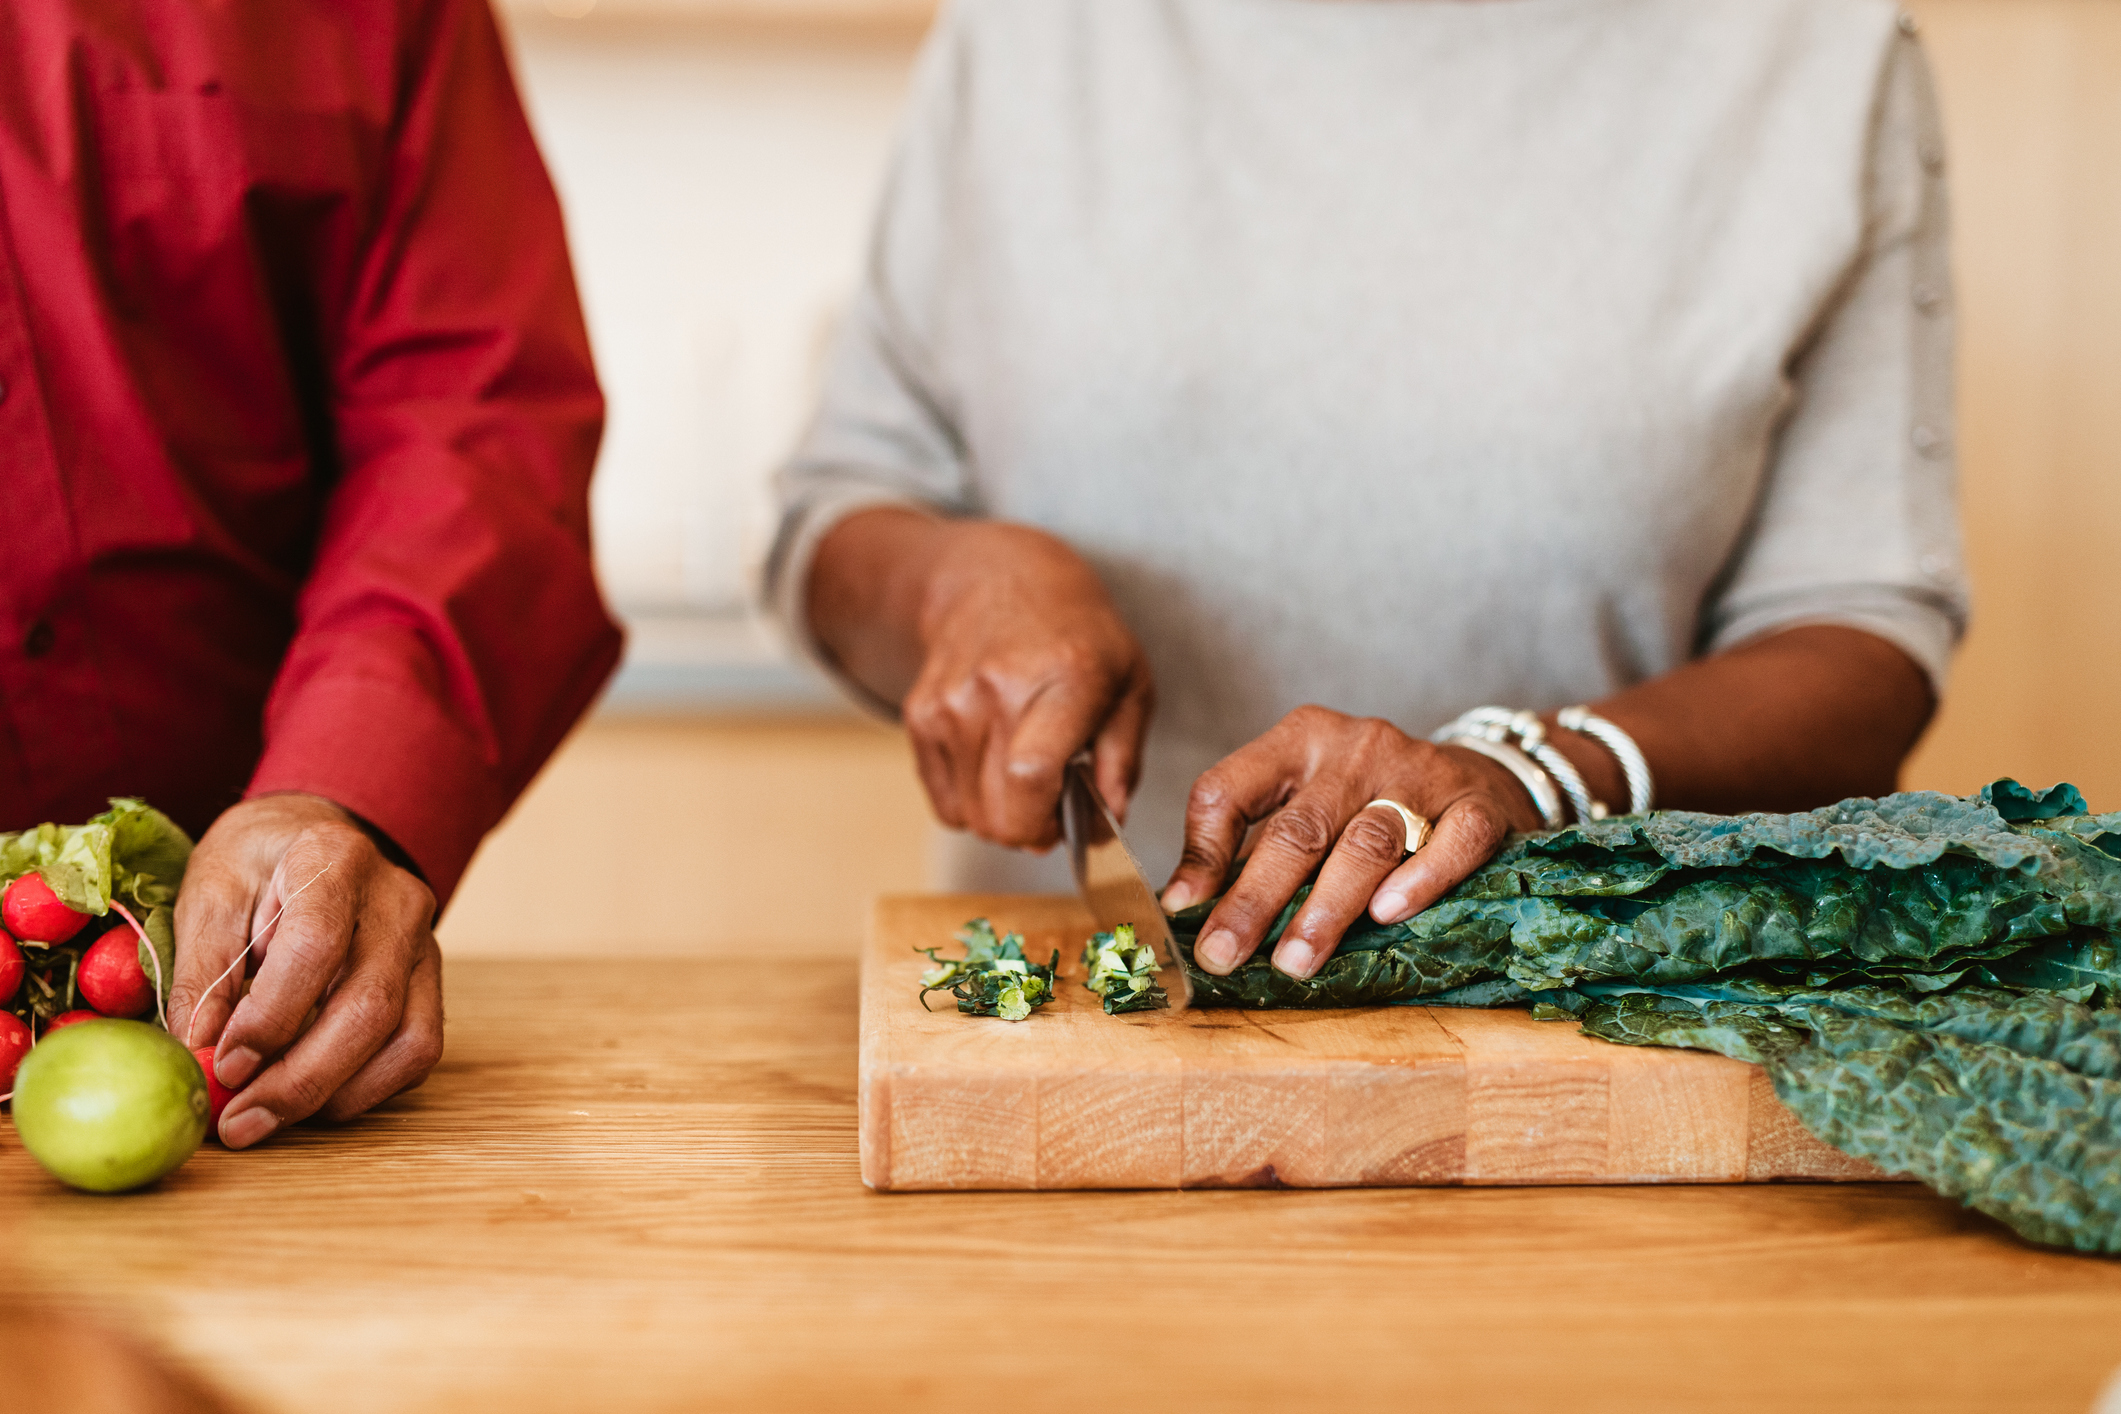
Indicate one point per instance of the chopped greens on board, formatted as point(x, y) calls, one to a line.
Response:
point(131, 855)
point(1930, 981)
point(993, 978)
point(1122, 971)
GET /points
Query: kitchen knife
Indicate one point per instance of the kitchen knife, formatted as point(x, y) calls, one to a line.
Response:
point(1111, 880)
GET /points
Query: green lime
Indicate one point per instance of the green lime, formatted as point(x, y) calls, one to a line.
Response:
point(110, 1105)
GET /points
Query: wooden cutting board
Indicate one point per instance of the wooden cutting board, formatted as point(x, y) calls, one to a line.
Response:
point(1385, 1096)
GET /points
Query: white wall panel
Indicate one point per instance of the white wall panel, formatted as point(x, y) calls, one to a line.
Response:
point(718, 187)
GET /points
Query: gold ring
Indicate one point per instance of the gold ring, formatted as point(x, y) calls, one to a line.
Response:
point(1417, 825)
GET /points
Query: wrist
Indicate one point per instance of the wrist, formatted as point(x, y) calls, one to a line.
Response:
point(954, 569)
point(985, 569)
point(866, 593)
point(309, 809)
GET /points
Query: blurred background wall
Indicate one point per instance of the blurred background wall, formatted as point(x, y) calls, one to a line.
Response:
point(718, 159)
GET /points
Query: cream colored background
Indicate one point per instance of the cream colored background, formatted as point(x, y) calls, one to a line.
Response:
point(786, 828)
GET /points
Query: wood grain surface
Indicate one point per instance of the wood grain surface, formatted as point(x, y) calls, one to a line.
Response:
point(633, 1185)
point(1073, 1098)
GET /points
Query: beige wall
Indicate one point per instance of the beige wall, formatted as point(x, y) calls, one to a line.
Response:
point(720, 837)
point(2032, 106)
point(787, 828)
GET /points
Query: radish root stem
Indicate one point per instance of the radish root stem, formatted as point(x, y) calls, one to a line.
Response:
point(161, 1016)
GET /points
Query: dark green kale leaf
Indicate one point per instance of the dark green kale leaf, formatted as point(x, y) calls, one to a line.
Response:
point(2011, 1104)
point(993, 978)
point(1931, 982)
point(1458, 943)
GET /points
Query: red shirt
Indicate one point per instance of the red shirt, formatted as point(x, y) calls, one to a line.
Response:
point(298, 418)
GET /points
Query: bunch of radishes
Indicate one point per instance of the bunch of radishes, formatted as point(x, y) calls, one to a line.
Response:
point(39, 953)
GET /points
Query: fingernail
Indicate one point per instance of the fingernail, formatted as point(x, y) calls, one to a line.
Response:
point(1218, 952)
point(1178, 896)
point(1388, 908)
point(235, 1069)
point(240, 1131)
point(1295, 958)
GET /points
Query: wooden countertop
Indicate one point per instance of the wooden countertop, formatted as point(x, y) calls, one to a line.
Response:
point(634, 1186)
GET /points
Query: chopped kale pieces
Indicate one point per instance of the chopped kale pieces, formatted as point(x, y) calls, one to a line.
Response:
point(1122, 971)
point(993, 978)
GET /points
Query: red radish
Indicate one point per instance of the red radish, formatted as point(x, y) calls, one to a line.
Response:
point(217, 1094)
point(111, 977)
point(68, 1018)
point(14, 1045)
point(11, 967)
point(32, 911)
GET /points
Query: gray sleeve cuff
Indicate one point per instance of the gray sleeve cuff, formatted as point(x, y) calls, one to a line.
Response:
point(1924, 627)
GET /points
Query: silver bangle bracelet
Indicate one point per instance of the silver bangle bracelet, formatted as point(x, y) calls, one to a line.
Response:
point(1529, 775)
point(1569, 778)
point(1642, 786)
point(1498, 724)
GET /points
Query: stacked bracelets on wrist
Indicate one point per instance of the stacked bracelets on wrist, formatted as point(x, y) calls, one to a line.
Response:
point(1547, 775)
point(1642, 788)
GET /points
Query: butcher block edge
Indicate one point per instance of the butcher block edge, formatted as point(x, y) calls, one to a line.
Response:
point(1380, 1096)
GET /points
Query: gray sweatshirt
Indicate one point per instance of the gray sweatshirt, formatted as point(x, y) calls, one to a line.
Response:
point(1410, 355)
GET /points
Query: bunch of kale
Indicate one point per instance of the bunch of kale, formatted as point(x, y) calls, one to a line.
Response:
point(1930, 981)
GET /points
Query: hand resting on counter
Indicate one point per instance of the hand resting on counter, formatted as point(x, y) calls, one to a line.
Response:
point(356, 946)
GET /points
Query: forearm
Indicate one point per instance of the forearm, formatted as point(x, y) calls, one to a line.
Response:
point(868, 583)
point(1791, 721)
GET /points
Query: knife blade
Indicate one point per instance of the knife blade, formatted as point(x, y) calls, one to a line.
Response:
point(1110, 878)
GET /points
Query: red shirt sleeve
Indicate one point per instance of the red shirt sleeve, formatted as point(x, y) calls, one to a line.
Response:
point(450, 631)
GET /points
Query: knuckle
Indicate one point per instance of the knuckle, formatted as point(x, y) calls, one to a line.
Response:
point(1299, 828)
point(1197, 859)
point(1072, 660)
point(265, 1025)
point(1425, 755)
point(1246, 910)
point(340, 1108)
point(410, 899)
point(1210, 796)
point(423, 1051)
point(1372, 840)
point(334, 839)
point(303, 1091)
point(1485, 822)
point(1374, 736)
point(1311, 717)
point(1033, 771)
point(308, 951)
point(372, 1007)
point(929, 714)
point(917, 711)
point(965, 699)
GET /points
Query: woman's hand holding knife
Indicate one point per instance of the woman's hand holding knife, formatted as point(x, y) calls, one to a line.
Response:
point(1004, 654)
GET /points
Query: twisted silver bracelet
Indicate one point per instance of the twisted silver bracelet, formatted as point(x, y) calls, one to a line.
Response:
point(1498, 724)
point(1642, 786)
